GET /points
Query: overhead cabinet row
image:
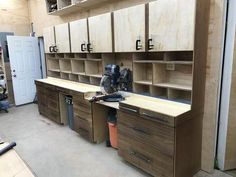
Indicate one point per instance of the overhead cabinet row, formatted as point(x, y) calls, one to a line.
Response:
point(159, 26)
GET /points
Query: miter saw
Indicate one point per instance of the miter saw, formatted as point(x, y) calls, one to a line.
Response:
point(113, 81)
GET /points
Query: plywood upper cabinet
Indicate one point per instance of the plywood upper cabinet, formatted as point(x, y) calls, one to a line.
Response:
point(49, 39)
point(171, 25)
point(100, 34)
point(79, 36)
point(62, 38)
point(129, 29)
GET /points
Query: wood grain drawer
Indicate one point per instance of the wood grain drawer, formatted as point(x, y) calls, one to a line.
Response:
point(82, 114)
point(128, 108)
point(83, 127)
point(145, 157)
point(82, 107)
point(155, 134)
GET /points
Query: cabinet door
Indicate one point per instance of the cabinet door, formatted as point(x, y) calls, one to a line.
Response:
point(49, 38)
point(79, 36)
point(129, 28)
point(100, 33)
point(171, 25)
point(62, 38)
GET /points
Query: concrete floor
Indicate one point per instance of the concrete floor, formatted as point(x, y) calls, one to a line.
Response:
point(55, 151)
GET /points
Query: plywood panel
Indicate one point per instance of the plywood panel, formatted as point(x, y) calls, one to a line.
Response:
point(129, 26)
point(62, 38)
point(100, 33)
point(49, 38)
point(213, 69)
point(79, 35)
point(14, 17)
point(171, 24)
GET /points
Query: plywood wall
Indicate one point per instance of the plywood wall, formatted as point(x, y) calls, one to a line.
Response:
point(40, 18)
point(14, 17)
point(213, 71)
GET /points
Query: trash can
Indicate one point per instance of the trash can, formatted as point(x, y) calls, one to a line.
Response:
point(112, 124)
point(70, 114)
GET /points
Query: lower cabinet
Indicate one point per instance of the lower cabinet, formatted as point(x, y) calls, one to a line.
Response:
point(83, 119)
point(48, 102)
point(161, 147)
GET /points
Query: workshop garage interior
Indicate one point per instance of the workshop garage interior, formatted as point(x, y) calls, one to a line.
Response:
point(117, 88)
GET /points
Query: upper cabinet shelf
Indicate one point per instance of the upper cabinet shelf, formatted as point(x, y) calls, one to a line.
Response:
point(63, 7)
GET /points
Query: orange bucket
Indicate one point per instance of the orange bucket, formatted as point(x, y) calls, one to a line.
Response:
point(113, 134)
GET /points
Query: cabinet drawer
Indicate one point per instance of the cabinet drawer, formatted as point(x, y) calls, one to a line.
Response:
point(82, 107)
point(83, 127)
point(157, 117)
point(53, 104)
point(155, 134)
point(129, 109)
point(145, 157)
point(82, 114)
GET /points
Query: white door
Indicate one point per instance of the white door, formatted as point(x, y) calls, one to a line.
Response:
point(25, 67)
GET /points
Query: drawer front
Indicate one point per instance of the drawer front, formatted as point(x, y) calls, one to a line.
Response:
point(82, 114)
point(82, 107)
point(146, 114)
point(152, 133)
point(53, 104)
point(84, 128)
point(145, 157)
point(129, 109)
point(53, 115)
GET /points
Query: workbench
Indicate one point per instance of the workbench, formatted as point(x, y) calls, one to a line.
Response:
point(157, 135)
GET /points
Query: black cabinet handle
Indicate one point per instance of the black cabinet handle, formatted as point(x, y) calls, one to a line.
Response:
point(128, 109)
point(138, 44)
point(83, 47)
point(89, 47)
point(51, 49)
point(150, 45)
point(55, 49)
point(140, 130)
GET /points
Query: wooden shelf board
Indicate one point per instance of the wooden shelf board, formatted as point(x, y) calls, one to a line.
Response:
point(174, 86)
point(54, 70)
point(143, 82)
point(66, 72)
point(95, 75)
point(96, 60)
point(164, 62)
point(80, 6)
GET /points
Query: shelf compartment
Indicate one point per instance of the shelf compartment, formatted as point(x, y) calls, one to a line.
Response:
point(94, 56)
point(84, 79)
point(80, 56)
point(155, 56)
point(63, 3)
point(159, 92)
point(59, 55)
point(180, 95)
point(142, 89)
point(50, 55)
point(69, 55)
point(178, 56)
point(164, 62)
point(53, 65)
point(74, 77)
point(53, 74)
point(49, 3)
point(65, 76)
point(124, 60)
point(176, 76)
point(143, 73)
point(93, 67)
point(65, 66)
point(95, 81)
point(78, 66)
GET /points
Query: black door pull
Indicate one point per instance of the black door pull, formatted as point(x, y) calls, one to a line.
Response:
point(51, 49)
point(83, 47)
point(138, 44)
point(150, 45)
point(89, 47)
point(55, 49)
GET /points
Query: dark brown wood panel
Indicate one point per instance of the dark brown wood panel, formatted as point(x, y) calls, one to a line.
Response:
point(145, 157)
point(152, 133)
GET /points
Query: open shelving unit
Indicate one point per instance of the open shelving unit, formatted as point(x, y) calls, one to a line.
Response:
point(167, 75)
point(69, 6)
